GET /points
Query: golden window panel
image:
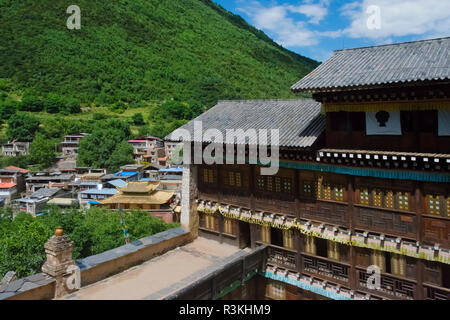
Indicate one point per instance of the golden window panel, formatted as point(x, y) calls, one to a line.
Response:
point(231, 180)
point(333, 250)
point(276, 290)
point(378, 259)
point(338, 193)
point(403, 200)
point(448, 207)
point(398, 265)
point(208, 176)
point(434, 205)
point(364, 197)
point(265, 234)
point(210, 222)
point(269, 183)
point(389, 200)
point(228, 226)
point(310, 245)
point(211, 176)
point(277, 184)
point(288, 239)
point(307, 188)
point(238, 180)
point(377, 198)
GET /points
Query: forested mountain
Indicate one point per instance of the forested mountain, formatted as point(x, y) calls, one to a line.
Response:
point(130, 51)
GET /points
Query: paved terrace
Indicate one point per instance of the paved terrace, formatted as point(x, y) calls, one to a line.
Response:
point(162, 276)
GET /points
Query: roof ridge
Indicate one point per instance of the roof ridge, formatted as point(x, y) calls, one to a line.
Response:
point(264, 100)
point(393, 44)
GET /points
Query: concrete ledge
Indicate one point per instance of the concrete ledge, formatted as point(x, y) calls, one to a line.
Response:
point(36, 287)
point(106, 264)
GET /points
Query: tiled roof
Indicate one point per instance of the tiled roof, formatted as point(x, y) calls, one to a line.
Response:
point(7, 185)
point(104, 191)
point(45, 192)
point(300, 121)
point(13, 168)
point(387, 64)
point(19, 286)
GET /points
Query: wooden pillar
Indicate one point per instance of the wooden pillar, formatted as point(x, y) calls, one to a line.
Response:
point(418, 199)
point(350, 211)
point(253, 227)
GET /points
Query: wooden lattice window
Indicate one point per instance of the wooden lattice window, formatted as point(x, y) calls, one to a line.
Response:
point(448, 207)
point(277, 184)
point(260, 183)
point(276, 290)
point(389, 200)
point(234, 179)
point(403, 200)
point(209, 176)
point(269, 183)
point(377, 198)
point(434, 205)
point(288, 239)
point(210, 222)
point(287, 185)
point(364, 197)
point(308, 188)
point(338, 193)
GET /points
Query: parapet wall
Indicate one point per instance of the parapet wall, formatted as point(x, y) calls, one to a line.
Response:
point(96, 268)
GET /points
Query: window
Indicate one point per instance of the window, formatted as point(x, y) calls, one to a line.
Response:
point(276, 290)
point(288, 239)
point(209, 176)
point(389, 200)
point(277, 184)
point(333, 250)
point(434, 205)
point(228, 226)
point(287, 185)
point(364, 197)
point(307, 189)
point(310, 245)
point(234, 179)
point(276, 237)
point(428, 121)
point(378, 259)
point(403, 201)
point(321, 247)
point(327, 191)
point(377, 198)
point(260, 184)
point(274, 184)
point(265, 234)
point(407, 121)
point(210, 222)
point(398, 265)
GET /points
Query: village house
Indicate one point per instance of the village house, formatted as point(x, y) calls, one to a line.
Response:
point(48, 180)
point(12, 178)
point(170, 146)
point(36, 202)
point(15, 148)
point(363, 179)
point(70, 145)
point(147, 149)
point(89, 197)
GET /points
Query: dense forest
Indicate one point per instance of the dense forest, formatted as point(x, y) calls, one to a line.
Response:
point(128, 52)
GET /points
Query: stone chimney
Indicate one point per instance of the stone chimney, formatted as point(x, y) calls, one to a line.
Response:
point(60, 264)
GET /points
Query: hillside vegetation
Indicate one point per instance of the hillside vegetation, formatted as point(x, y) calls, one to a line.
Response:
point(131, 51)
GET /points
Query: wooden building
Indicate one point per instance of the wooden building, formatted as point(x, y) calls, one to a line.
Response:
point(363, 180)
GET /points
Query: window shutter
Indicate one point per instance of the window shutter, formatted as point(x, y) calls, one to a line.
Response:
point(398, 265)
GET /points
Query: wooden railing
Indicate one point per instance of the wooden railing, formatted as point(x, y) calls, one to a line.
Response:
point(326, 268)
point(391, 286)
point(435, 293)
point(282, 258)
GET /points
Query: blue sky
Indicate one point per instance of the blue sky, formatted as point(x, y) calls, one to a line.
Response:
point(315, 28)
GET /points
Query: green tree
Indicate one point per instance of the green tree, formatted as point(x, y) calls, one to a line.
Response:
point(138, 119)
point(22, 127)
point(122, 155)
point(42, 151)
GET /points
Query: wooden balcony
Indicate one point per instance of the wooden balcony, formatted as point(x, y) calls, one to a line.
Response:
point(327, 268)
point(325, 211)
point(435, 293)
point(392, 287)
point(282, 257)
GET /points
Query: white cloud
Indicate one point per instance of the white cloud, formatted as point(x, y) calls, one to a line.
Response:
point(399, 18)
point(278, 21)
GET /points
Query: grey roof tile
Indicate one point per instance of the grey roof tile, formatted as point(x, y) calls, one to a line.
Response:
point(386, 64)
point(299, 120)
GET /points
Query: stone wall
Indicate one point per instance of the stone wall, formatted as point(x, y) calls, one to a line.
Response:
point(36, 287)
point(104, 265)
